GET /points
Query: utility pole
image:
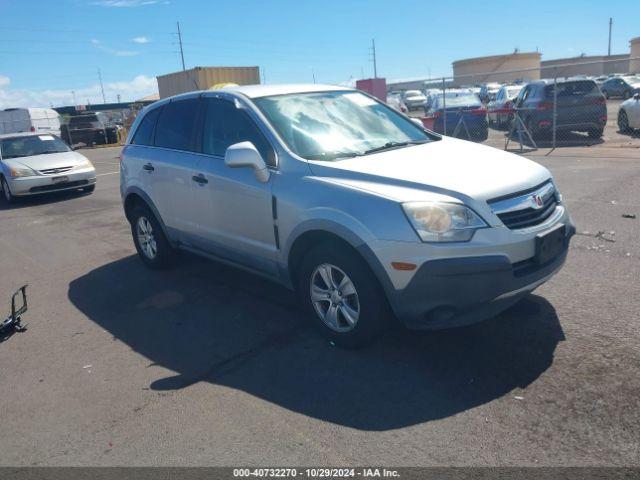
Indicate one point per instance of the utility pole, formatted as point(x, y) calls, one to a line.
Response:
point(375, 65)
point(104, 100)
point(180, 42)
point(73, 94)
point(313, 74)
point(610, 25)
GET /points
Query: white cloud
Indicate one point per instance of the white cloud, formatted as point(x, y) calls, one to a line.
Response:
point(138, 87)
point(125, 3)
point(112, 51)
point(140, 40)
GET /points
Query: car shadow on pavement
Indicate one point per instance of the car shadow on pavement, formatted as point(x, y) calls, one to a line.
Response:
point(564, 139)
point(42, 199)
point(212, 323)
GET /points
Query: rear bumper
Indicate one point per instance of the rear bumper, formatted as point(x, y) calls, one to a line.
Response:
point(45, 184)
point(453, 292)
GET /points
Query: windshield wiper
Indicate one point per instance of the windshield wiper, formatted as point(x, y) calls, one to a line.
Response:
point(391, 145)
point(333, 155)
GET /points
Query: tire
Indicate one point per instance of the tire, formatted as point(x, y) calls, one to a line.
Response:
point(366, 306)
point(154, 249)
point(623, 121)
point(89, 189)
point(597, 133)
point(7, 196)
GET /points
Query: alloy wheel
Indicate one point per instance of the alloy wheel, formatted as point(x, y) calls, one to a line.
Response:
point(146, 238)
point(334, 298)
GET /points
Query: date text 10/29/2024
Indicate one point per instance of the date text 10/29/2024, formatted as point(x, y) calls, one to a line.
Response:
point(316, 472)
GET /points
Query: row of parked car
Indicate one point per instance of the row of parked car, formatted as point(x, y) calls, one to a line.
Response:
point(578, 103)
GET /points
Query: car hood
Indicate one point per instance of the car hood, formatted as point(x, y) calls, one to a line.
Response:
point(49, 160)
point(450, 167)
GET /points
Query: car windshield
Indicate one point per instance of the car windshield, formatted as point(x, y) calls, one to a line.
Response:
point(568, 89)
point(513, 92)
point(31, 145)
point(340, 124)
point(462, 99)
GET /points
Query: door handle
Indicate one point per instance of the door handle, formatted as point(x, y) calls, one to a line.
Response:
point(200, 179)
point(148, 167)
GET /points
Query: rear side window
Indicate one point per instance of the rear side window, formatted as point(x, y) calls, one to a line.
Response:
point(175, 127)
point(144, 133)
point(224, 125)
point(572, 89)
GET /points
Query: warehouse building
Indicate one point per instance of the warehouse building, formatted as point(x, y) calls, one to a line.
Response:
point(497, 68)
point(634, 65)
point(593, 65)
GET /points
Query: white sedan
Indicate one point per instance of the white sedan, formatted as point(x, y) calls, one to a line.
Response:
point(32, 164)
point(629, 114)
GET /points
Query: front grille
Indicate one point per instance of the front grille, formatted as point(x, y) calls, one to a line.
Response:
point(58, 186)
point(526, 209)
point(55, 171)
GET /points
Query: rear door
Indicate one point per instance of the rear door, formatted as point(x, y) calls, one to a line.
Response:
point(171, 167)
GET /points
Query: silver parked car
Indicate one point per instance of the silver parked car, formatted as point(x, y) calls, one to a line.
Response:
point(338, 196)
point(32, 163)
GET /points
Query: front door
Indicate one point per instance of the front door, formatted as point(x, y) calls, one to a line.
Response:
point(234, 209)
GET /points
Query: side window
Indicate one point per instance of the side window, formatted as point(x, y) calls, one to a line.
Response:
point(175, 127)
point(225, 125)
point(144, 133)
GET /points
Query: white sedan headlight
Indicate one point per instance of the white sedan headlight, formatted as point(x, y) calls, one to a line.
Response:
point(86, 163)
point(18, 172)
point(443, 222)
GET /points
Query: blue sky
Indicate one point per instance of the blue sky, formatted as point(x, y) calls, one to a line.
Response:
point(49, 48)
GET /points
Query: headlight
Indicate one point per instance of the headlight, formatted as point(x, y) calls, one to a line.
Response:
point(17, 172)
point(83, 164)
point(443, 222)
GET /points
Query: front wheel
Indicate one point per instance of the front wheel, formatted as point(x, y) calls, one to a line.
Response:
point(150, 241)
point(6, 191)
point(623, 121)
point(343, 296)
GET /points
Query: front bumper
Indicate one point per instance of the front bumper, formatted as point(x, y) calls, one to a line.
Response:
point(40, 184)
point(461, 290)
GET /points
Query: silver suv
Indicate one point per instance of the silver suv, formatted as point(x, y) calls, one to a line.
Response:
point(356, 207)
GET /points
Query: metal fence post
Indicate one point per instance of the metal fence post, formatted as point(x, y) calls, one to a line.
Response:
point(444, 106)
point(555, 105)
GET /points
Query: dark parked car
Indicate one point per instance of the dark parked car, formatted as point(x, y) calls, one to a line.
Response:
point(89, 129)
point(624, 87)
point(458, 106)
point(581, 107)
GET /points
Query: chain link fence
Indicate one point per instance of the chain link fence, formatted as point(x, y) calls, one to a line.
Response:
point(533, 108)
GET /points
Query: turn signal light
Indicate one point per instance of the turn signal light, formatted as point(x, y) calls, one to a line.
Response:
point(403, 266)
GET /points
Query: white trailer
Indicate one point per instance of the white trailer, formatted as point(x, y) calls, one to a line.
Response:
point(39, 120)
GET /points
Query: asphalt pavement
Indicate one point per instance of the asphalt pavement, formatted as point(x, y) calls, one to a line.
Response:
point(208, 365)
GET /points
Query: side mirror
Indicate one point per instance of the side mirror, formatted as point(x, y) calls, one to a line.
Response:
point(417, 121)
point(245, 154)
point(637, 96)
